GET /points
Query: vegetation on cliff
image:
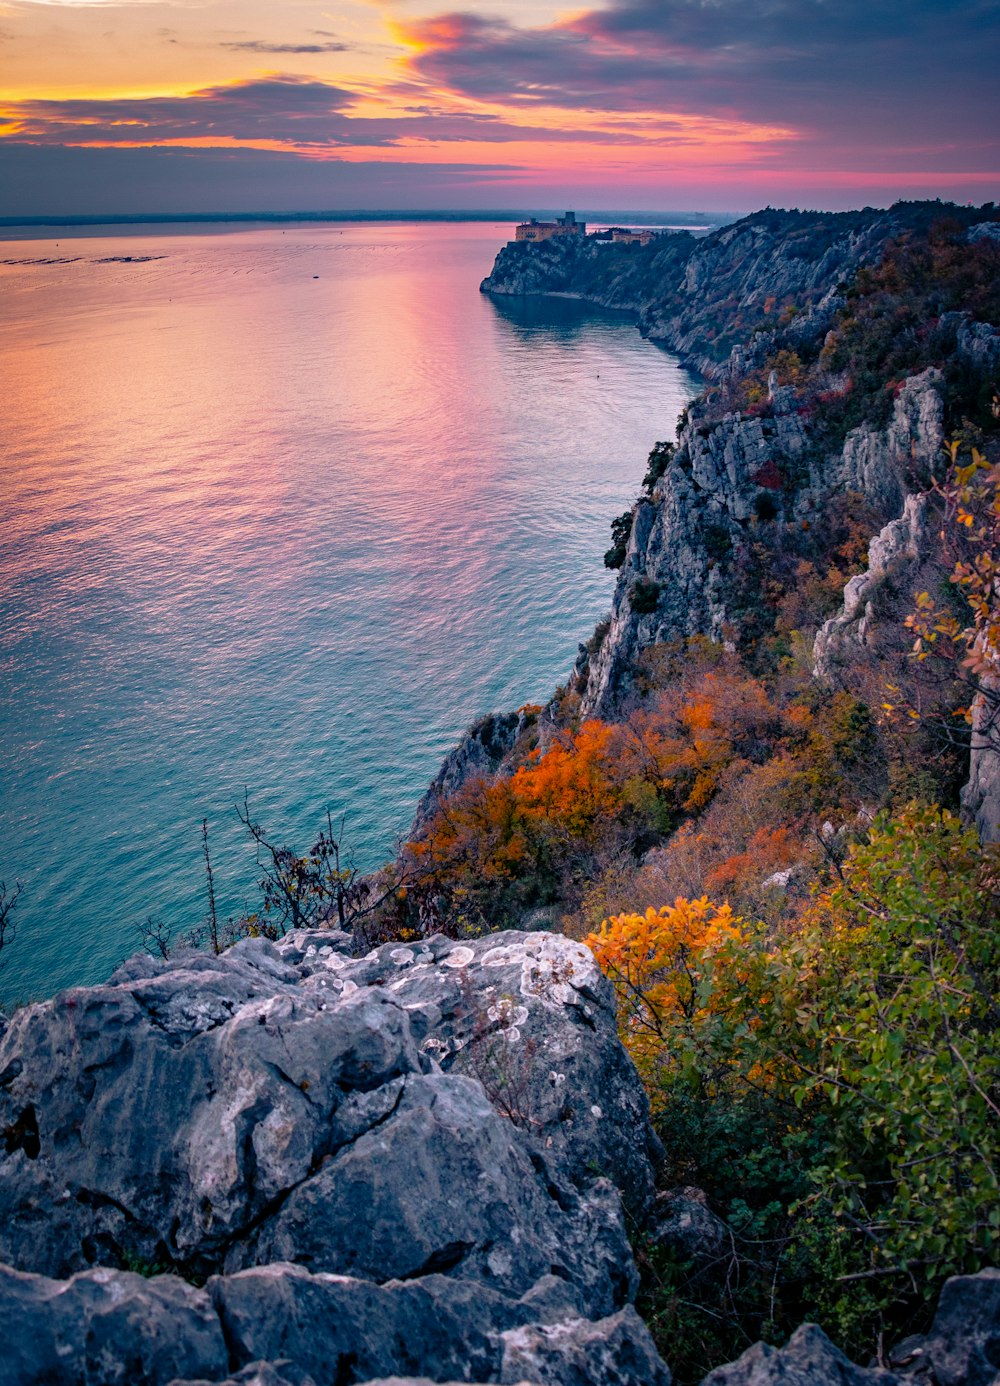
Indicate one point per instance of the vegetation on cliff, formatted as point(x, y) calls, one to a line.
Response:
point(703, 296)
point(896, 319)
point(833, 1088)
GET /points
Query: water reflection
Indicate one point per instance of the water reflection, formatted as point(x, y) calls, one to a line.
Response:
point(280, 531)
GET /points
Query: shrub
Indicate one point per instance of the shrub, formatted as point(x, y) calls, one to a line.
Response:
point(621, 528)
point(659, 963)
point(836, 1093)
point(645, 595)
point(659, 460)
point(897, 1015)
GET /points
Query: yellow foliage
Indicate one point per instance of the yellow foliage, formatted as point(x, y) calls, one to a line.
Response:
point(657, 962)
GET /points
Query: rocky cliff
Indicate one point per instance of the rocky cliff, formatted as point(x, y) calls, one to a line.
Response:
point(415, 1162)
point(743, 484)
point(734, 482)
point(703, 296)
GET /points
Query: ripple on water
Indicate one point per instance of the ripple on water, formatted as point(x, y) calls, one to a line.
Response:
point(292, 534)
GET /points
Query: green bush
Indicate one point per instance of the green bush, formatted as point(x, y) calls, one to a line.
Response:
point(897, 1027)
point(836, 1094)
point(659, 460)
point(645, 595)
point(621, 528)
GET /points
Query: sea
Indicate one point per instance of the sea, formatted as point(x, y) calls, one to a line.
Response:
point(282, 511)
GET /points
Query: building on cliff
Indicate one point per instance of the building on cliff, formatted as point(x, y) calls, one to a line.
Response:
point(629, 235)
point(534, 230)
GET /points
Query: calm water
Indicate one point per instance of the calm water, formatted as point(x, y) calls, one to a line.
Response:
point(271, 529)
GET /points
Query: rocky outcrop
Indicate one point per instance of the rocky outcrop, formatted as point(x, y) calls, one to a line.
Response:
point(881, 464)
point(728, 479)
point(894, 555)
point(685, 1225)
point(808, 1359)
point(703, 296)
point(738, 279)
point(413, 1163)
point(981, 795)
point(479, 754)
point(978, 343)
point(624, 277)
point(962, 1348)
point(107, 1327)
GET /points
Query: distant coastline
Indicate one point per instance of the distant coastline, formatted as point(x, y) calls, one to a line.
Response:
point(687, 219)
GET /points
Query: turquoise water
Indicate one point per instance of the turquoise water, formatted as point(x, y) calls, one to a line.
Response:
point(283, 509)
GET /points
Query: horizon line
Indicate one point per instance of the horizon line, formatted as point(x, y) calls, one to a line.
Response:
point(353, 214)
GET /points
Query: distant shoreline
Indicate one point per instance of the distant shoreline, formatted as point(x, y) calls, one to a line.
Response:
point(269, 218)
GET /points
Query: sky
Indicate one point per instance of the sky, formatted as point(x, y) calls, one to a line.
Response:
point(169, 106)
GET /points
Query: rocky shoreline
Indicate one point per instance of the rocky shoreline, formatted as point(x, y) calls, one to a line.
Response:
point(717, 302)
point(703, 296)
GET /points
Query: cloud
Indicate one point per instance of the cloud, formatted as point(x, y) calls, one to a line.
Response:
point(278, 108)
point(854, 67)
point(295, 112)
point(263, 46)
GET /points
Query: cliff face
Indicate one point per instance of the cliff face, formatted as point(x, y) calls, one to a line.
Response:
point(884, 353)
point(731, 482)
point(480, 752)
point(703, 296)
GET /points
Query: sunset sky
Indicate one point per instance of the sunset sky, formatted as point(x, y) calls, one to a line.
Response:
point(240, 105)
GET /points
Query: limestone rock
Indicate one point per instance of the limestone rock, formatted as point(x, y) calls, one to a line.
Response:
point(527, 1015)
point(617, 1350)
point(106, 1328)
point(963, 1345)
point(340, 1328)
point(479, 754)
point(808, 1359)
point(282, 1373)
point(441, 1183)
point(981, 795)
point(893, 554)
point(186, 1115)
point(725, 473)
point(687, 1226)
point(989, 230)
point(382, 1163)
point(979, 342)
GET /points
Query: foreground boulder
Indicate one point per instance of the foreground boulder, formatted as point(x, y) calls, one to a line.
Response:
point(963, 1345)
point(109, 1327)
point(962, 1348)
point(807, 1359)
point(412, 1163)
point(407, 1168)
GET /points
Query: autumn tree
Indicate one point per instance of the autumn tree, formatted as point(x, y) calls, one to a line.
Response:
point(963, 642)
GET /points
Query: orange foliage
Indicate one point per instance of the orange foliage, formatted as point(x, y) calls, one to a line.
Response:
point(658, 962)
point(570, 825)
point(768, 851)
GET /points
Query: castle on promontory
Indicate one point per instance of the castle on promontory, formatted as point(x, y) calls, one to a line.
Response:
point(534, 230)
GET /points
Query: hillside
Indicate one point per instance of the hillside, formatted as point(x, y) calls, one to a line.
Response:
point(703, 296)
